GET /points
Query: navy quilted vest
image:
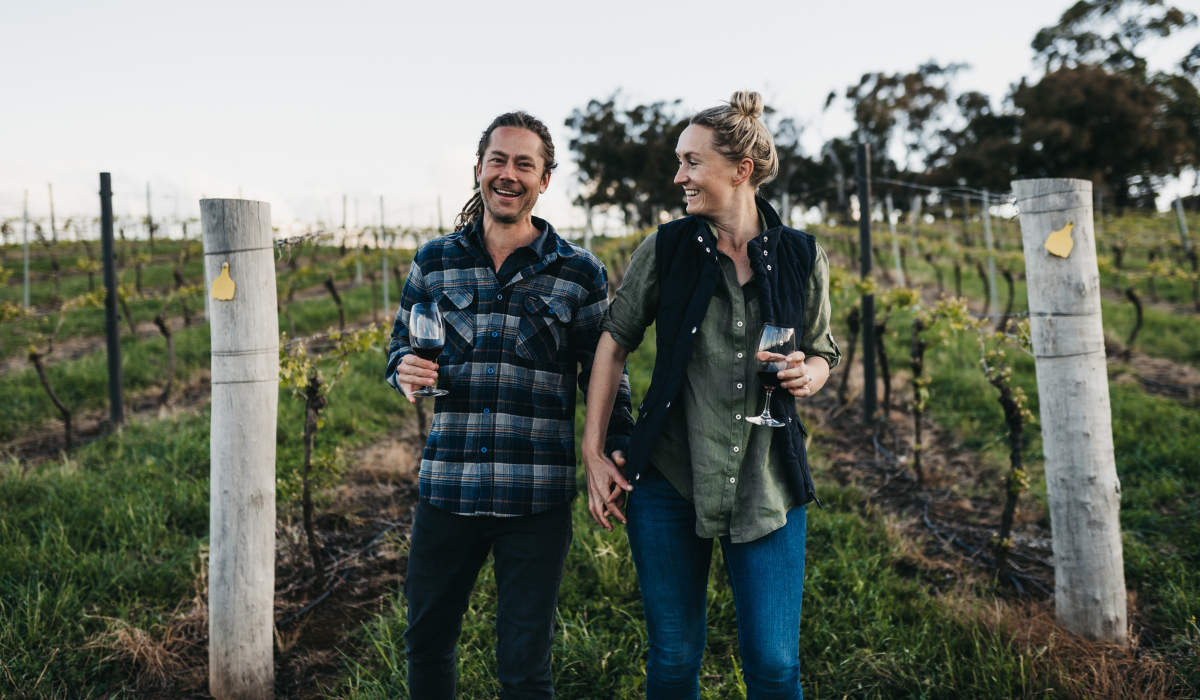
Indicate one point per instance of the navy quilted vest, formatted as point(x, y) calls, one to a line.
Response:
point(688, 270)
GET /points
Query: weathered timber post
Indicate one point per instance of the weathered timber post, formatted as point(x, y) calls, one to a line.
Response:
point(112, 323)
point(239, 273)
point(991, 268)
point(25, 217)
point(862, 174)
point(1076, 416)
point(383, 263)
point(895, 241)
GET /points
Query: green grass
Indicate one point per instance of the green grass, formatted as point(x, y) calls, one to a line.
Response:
point(116, 530)
point(1155, 440)
point(157, 278)
point(868, 631)
point(82, 384)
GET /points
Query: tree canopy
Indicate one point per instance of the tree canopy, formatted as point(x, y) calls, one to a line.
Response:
point(1096, 113)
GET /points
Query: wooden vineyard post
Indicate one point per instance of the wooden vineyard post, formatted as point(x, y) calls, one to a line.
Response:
point(239, 274)
point(383, 262)
point(112, 323)
point(1076, 416)
point(862, 174)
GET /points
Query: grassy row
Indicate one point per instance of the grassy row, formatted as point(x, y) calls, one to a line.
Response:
point(868, 631)
point(156, 277)
point(130, 511)
point(1175, 336)
point(116, 529)
point(83, 384)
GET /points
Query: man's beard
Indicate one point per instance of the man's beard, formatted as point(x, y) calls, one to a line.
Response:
point(506, 218)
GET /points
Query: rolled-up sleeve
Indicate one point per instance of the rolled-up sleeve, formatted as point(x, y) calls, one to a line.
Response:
point(817, 339)
point(635, 305)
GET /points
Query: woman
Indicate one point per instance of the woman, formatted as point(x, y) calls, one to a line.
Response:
point(695, 469)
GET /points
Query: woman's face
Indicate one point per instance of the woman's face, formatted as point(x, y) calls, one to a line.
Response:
point(708, 179)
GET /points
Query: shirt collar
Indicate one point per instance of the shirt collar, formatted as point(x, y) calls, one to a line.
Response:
point(712, 228)
point(538, 245)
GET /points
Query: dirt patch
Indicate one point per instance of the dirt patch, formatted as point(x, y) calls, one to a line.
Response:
point(953, 516)
point(47, 442)
point(75, 347)
point(1155, 375)
point(363, 533)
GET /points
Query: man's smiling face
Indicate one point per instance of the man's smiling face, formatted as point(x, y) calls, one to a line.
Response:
point(512, 174)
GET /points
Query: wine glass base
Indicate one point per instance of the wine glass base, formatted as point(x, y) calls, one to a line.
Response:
point(767, 422)
point(429, 392)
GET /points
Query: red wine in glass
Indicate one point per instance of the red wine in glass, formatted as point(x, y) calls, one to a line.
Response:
point(427, 353)
point(427, 336)
point(778, 342)
point(770, 379)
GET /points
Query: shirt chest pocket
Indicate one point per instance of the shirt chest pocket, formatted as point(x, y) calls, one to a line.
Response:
point(542, 334)
point(459, 319)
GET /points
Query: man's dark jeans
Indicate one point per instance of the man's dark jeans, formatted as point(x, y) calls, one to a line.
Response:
point(444, 560)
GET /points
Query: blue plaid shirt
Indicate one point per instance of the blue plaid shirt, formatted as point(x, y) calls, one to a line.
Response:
point(503, 441)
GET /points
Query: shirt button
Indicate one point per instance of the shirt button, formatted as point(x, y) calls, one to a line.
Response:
point(739, 324)
point(764, 252)
point(732, 480)
point(700, 238)
point(499, 296)
point(483, 449)
point(494, 334)
point(739, 385)
point(491, 370)
point(487, 410)
point(737, 416)
point(768, 267)
point(739, 355)
point(736, 448)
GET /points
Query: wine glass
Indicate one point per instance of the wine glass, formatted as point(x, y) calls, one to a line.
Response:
point(427, 334)
point(779, 342)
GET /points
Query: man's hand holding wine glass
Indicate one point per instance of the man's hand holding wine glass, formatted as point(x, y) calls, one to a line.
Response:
point(413, 372)
point(427, 333)
point(803, 376)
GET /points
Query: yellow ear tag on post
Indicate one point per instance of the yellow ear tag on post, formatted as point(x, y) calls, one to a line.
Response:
point(1059, 243)
point(223, 285)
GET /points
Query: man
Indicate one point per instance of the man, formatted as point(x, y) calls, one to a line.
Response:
point(522, 308)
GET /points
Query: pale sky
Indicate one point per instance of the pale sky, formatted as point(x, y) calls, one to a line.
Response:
point(297, 103)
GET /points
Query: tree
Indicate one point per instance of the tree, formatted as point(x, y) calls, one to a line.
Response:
point(1108, 33)
point(627, 159)
point(983, 152)
point(801, 179)
point(901, 105)
point(1110, 128)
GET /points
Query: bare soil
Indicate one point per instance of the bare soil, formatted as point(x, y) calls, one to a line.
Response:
point(363, 527)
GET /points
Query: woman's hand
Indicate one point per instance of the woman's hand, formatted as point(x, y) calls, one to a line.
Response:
point(804, 376)
point(413, 372)
point(606, 486)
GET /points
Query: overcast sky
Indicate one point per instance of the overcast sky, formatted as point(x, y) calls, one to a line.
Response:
point(297, 103)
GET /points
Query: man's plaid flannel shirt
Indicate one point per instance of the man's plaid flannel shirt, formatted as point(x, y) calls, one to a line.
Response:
point(503, 441)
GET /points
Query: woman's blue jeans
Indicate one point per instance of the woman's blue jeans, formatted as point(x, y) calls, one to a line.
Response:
point(767, 578)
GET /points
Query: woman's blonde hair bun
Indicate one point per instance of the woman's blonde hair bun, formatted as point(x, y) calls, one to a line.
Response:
point(747, 103)
point(738, 133)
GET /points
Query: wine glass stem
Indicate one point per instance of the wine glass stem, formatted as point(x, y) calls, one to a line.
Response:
point(766, 414)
